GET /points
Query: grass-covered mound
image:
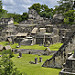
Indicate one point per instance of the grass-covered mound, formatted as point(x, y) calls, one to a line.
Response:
point(53, 47)
point(24, 66)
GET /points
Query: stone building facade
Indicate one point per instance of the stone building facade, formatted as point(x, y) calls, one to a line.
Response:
point(69, 66)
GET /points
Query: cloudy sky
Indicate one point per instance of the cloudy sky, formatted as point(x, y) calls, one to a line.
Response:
point(20, 6)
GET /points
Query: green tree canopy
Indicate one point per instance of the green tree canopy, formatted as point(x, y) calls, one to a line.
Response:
point(6, 65)
point(64, 5)
point(36, 6)
point(17, 17)
point(3, 13)
point(66, 8)
point(0, 4)
point(24, 16)
point(43, 10)
point(69, 17)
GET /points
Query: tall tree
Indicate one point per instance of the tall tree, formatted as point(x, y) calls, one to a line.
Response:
point(7, 66)
point(3, 13)
point(66, 8)
point(24, 16)
point(36, 6)
point(43, 10)
point(69, 17)
point(64, 5)
point(0, 4)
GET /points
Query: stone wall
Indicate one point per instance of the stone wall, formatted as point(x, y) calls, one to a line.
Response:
point(26, 42)
point(31, 51)
point(6, 21)
point(25, 28)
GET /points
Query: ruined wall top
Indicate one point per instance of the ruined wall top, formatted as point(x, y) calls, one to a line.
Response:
point(33, 14)
point(6, 21)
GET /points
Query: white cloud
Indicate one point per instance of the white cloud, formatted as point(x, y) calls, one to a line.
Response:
point(8, 2)
point(20, 6)
point(3, 7)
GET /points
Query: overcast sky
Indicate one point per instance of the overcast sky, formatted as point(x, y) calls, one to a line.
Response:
point(20, 6)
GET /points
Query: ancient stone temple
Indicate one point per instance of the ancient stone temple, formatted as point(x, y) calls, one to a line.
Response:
point(33, 14)
point(35, 18)
point(61, 55)
point(58, 18)
point(69, 66)
point(7, 28)
point(35, 30)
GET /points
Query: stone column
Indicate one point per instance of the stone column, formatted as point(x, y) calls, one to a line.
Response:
point(40, 59)
point(36, 60)
point(44, 39)
point(74, 54)
point(20, 54)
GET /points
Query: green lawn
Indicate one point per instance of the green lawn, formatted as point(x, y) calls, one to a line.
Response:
point(16, 23)
point(24, 66)
point(4, 43)
point(53, 47)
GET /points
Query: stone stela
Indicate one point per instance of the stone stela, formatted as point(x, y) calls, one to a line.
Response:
point(40, 59)
point(36, 60)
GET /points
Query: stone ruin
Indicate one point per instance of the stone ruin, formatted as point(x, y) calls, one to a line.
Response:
point(43, 31)
point(43, 37)
point(6, 21)
point(36, 60)
point(57, 19)
point(36, 35)
point(6, 28)
point(34, 15)
point(61, 55)
point(35, 30)
point(34, 18)
point(69, 66)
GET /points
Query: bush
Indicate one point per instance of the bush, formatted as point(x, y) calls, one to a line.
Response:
point(7, 67)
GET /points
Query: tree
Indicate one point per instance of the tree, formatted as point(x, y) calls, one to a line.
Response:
point(17, 17)
point(3, 13)
point(7, 66)
point(49, 15)
point(66, 8)
point(36, 6)
point(24, 16)
point(42, 10)
point(69, 17)
point(43, 14)
point(64, 5)
point(0, 4)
